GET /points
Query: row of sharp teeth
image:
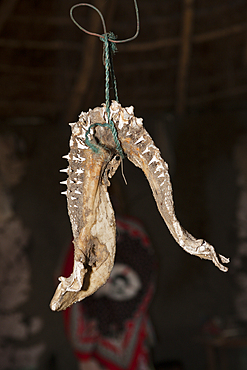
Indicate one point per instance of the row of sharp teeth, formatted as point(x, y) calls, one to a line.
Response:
point(64, 170)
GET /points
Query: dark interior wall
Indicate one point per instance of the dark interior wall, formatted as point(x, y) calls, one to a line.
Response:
point(189, 290)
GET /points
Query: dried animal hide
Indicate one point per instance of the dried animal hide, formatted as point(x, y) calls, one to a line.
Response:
point(89, 207)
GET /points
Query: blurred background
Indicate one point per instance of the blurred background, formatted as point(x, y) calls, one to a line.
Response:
point(186, 75)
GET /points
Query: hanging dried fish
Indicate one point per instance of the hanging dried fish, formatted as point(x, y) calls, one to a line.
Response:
point(89, 207)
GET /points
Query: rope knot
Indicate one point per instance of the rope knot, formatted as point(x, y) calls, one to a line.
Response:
point(108, 38)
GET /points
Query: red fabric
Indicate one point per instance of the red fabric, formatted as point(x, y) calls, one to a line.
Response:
point(129, 348)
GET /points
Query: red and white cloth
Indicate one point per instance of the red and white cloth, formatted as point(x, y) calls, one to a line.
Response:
point(112, 326)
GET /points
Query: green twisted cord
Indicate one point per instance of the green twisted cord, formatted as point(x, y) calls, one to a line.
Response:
point(109, 50)
point(112, 49)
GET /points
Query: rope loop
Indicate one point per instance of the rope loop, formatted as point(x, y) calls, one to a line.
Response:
point(103, 22)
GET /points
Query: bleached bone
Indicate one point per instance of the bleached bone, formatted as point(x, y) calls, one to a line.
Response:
point(89, 207)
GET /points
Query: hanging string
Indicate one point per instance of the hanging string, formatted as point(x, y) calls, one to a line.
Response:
point(109, 40)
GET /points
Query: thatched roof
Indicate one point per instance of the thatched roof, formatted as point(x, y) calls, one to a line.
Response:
point(189, 54)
